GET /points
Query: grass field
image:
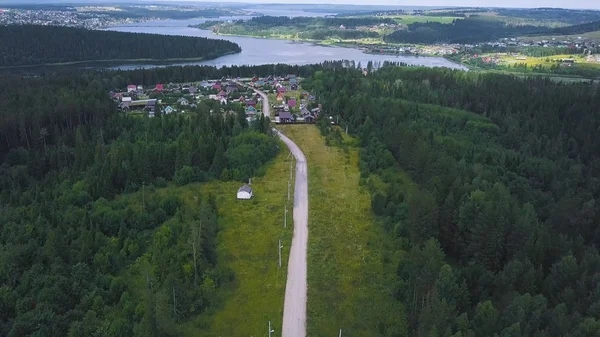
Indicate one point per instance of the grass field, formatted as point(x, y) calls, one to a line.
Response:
point(408, 19)
point(546, 61)
point(350, 259)
point(246, 244)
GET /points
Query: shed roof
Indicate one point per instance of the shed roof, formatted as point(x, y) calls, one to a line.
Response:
point(285, 115)
point(245, 188)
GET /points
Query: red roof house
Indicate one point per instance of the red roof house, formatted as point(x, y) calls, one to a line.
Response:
point(159, 87)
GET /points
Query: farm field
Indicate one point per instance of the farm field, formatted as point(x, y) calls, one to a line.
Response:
point(350, 264)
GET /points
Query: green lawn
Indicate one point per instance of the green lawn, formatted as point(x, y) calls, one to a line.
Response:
point(350, 258)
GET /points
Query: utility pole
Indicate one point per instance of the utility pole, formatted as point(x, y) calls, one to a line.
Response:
point(340, 332)
point(285, 218)
point(270, 331)
point(143, 195)
point(288, 190)
point(279, 250)
point(291, 169)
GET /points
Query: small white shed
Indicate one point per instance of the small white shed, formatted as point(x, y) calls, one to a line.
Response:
point(245, 192)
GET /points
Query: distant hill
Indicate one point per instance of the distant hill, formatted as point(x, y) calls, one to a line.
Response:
point(33, 45)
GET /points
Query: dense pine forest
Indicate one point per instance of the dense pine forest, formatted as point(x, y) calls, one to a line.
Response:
point(497, 223)
point(82, 221)
point(33, 45)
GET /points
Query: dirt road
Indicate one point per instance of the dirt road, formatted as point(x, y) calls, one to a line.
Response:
point(294, 307)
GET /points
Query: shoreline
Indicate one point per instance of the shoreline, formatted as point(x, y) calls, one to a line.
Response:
point(119, 61)
point(324, 44)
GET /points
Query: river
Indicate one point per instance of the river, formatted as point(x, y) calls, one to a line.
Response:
point(257, 51)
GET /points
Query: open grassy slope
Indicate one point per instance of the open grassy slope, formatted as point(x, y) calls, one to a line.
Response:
point(247, 245)
point(350, 260)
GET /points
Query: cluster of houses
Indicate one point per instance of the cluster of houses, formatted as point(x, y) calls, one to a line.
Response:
point(184, 96)
point(294, 110)
point(289, 106)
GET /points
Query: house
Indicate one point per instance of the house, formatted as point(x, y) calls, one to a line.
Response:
point(223, 100)
point(244, 192)
point(182, 101)
point(222, 93)
point(281, 90)
point(204, 84)
point(131, 87)
point(124, 106)
point(285, 117)
point(212, 96)
point(217, 86)
point(192, 90)
point(280, 96)
point(193, 106)
point(125, 99)
point(315, 110)
point(294, 86)
point(250, 110)
point(250, 102)
point(140, 87)
point(150, 105)
point(169, 110)
point(159, 87)
point(309, 119)
point(292, 103)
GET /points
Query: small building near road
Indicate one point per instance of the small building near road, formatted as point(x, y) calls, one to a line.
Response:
point(131, 87)
point(244, 192)
point(285, 117)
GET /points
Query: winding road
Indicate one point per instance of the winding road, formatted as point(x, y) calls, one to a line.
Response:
point(294, 307)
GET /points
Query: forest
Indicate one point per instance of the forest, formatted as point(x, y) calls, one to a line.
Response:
point(91, 241)
point(469, 30)
point(476, 29)
point(34, 45)
point(496, 224)
point(310, 28)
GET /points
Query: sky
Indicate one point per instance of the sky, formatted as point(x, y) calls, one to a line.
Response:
point(585, 4)
point(579, 4)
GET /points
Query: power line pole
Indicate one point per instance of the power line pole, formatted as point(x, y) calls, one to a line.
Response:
point(270, 331)
point(291, 162)
point(288, 190)
point(279, 250)
point(340, 332)
point(285, 218)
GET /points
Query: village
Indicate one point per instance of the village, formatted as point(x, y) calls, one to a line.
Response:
point(290, 104)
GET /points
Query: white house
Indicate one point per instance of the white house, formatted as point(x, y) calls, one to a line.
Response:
point(125, 99)
point(245, 192)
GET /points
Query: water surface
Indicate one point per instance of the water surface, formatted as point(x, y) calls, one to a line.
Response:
point(257, 51)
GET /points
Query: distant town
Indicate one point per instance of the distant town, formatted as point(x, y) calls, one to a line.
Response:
point(93, 17)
